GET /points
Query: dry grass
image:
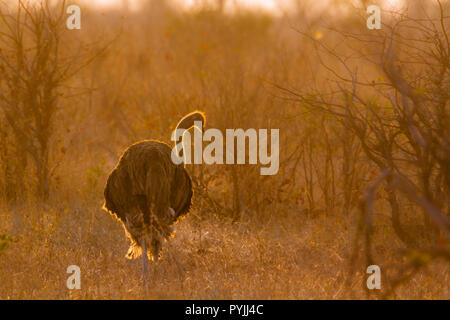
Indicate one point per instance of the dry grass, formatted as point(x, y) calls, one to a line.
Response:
point(297, 230)
point(285, 259)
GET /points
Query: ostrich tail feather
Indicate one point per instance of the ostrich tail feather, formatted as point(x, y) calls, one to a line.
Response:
point(134, 251)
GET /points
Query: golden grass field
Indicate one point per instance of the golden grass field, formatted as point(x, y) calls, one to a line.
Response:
point(289, 259)
point(287, 236)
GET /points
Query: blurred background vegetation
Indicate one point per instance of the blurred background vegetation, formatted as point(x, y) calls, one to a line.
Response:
point(71, 101)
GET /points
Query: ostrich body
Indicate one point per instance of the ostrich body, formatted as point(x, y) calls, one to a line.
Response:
point(148, 194)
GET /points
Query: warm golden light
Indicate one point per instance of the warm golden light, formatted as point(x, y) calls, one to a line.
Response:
point(299, 149)
point(394, 4)
point(273, 6)
point(266, 5)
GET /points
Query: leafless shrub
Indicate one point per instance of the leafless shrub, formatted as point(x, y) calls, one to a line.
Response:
point(401, 119)
point(35, 63)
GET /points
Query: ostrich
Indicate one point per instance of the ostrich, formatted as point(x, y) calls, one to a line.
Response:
point(148, 194)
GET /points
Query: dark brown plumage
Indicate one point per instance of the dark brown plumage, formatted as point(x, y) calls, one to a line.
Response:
point(148, 193)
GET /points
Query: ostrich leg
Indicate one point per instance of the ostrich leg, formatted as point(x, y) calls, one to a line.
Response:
point(144, 264)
